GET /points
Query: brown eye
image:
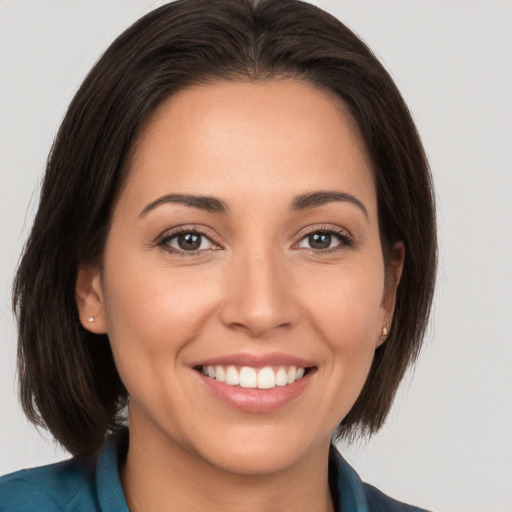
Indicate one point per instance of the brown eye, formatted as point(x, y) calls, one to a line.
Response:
point(320, 240)
point(187, 241)
point(325, 241)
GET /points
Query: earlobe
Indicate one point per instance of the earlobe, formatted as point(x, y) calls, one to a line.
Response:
point(383, 335)
point(393, 274)
point(89, 299)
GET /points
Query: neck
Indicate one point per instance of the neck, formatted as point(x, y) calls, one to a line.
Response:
point(160, 476)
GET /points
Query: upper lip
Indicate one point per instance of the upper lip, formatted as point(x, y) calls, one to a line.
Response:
point(256, 360)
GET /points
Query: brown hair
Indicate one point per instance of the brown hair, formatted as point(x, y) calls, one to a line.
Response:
point(68, 379)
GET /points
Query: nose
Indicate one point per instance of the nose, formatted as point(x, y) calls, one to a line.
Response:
point(259, 295)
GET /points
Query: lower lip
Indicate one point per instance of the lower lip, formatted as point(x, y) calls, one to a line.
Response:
point(256, 400)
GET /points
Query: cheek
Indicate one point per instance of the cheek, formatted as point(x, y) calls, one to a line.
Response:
point(346, 301)
point(153, 313)
point(346, 312)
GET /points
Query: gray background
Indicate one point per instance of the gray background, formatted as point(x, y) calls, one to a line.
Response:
point(447, 443)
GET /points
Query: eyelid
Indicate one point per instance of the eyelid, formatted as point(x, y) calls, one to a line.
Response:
point(187, 228)
point(169, 234)
point(324, 228)
point(345, 237)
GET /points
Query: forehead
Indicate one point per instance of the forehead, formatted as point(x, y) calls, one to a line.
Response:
point(277, 137)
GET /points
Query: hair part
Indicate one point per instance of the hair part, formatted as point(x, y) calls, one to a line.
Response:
point(67, 376)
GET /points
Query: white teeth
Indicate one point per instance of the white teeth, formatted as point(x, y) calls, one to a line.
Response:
point(292, 372)
point(220, 374)
point(266, 378)
point(232, 376)
point(281, 377)
point(247, 377)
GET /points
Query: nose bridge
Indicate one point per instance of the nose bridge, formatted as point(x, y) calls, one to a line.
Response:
point(259, 294)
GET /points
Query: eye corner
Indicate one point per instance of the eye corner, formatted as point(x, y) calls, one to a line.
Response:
point(187, 241)
point(323, 237)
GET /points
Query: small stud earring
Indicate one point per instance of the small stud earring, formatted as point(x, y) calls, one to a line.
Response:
point(384, 332)
point(91, 319)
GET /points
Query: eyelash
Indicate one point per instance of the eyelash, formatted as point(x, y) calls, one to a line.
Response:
point(345, 240)
point(164, 241)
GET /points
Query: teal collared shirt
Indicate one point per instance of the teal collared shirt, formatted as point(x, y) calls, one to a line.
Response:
point(83, 486)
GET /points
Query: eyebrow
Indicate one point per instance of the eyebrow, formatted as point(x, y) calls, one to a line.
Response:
point(316, 199)
point(207, 203)
point(214, 205)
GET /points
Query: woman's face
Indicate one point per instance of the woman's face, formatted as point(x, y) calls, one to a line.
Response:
point(245, 244)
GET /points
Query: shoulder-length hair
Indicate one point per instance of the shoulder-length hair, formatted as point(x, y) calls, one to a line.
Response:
point(68, 379)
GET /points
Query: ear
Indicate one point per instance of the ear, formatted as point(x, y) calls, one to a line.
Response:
point(89, 299)
point(394, 269)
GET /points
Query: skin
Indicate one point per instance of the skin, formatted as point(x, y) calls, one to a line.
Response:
point(255, 286)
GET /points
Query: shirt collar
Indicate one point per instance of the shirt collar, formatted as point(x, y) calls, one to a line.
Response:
point(346, 487)
point(108, 482)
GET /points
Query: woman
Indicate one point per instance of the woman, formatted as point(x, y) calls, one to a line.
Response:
point(235, 240)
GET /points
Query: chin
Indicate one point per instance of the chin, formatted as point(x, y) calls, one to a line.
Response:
point(261, 451)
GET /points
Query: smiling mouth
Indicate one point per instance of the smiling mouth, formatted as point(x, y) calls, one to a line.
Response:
point(255, 378)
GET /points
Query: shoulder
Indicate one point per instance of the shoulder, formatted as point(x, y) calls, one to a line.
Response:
point(80, 484)
point(64, 486)
point(351, 493)
point(379, 502)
